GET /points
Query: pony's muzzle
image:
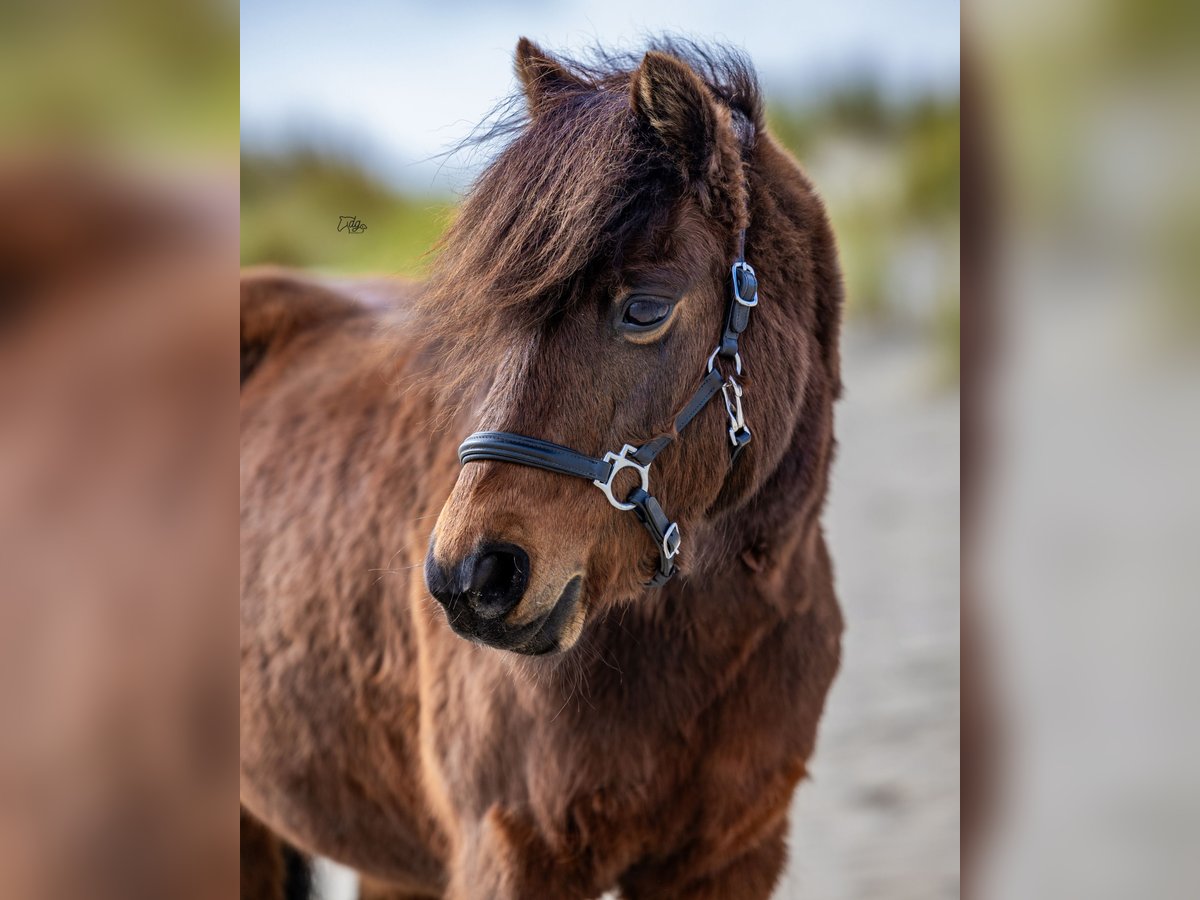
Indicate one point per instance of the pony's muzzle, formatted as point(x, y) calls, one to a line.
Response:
point(483, 592)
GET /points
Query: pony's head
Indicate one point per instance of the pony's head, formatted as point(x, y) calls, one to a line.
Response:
point(576, 300)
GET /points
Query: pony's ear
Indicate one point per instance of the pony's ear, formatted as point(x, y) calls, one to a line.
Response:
point(543, 77)
point(669, 97)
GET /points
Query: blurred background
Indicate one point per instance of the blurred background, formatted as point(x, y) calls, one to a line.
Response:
point(354, 110)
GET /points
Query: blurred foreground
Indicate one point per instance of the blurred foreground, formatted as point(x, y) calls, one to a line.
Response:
point(118, 451)
point(1081, 503)
point(118, 523)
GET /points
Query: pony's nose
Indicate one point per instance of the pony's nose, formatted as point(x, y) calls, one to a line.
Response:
point(492, 580)
point(495, 578)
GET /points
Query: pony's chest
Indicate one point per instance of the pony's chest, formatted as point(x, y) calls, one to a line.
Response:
point(626, 789)
point(608, 810)
point(647, 802)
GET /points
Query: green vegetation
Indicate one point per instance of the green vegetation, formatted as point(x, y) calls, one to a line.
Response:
point(292, 205)
point(134, 77)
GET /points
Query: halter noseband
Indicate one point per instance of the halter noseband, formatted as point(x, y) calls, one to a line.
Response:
point(504, 446)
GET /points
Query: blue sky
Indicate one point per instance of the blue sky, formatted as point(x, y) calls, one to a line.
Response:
point(399, 82)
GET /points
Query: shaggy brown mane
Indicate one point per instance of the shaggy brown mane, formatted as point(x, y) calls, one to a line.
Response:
point(569, 190)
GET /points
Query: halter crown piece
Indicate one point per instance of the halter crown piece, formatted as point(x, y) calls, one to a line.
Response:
point(504, 446)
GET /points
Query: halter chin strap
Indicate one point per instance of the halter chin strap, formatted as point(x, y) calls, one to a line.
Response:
point(504, 446)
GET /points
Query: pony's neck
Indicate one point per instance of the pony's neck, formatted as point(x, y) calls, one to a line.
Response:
point(767, 536)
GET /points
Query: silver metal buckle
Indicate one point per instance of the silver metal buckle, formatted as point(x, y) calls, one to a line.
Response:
point(737, 360)
point(733, 408)
point(737, 295)
point(621, 461)
point(669, 547)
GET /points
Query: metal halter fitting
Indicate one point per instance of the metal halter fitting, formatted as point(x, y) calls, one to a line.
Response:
point(621, 461)
point(503, 446)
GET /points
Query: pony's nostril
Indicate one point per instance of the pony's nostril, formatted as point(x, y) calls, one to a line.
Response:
point(490, 570)
point(495, 579)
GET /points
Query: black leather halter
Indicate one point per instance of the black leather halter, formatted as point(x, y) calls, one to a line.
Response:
point(504, 446)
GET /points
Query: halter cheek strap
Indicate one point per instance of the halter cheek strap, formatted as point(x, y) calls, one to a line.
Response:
point(504, 446)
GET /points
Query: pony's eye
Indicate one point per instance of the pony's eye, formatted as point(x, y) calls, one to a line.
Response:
point(645, 312)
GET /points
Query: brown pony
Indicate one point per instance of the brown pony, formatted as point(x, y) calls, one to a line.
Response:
point(579, 733)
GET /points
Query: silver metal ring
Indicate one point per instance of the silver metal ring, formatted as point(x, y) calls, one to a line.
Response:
point(737, 360)
point(621, 461)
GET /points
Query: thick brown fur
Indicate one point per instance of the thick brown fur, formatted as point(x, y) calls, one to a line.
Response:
point(656, 753)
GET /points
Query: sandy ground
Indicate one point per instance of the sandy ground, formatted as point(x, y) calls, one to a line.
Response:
point(879, 818)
